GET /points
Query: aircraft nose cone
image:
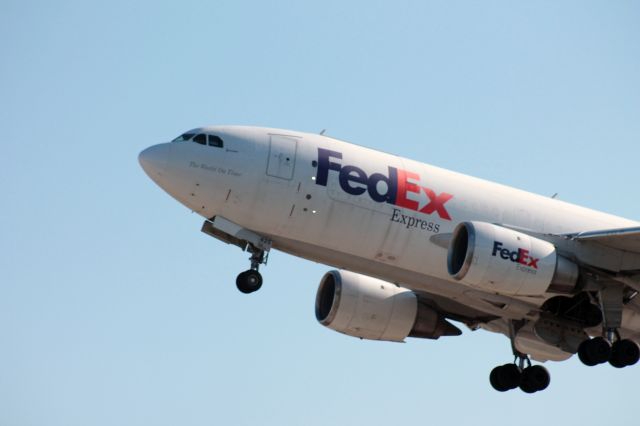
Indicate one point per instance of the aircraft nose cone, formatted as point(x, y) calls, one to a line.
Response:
point(154, 160)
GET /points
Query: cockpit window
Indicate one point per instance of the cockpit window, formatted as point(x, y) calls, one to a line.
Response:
point(201, 139)
point(183, 137)
point(215, 141)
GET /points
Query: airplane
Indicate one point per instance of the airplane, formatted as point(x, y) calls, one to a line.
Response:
point(416, 246)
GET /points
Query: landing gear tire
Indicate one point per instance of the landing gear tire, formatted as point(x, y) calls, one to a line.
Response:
point(529, 378)
point(534, 379)
point(624, 353)
point(594, 351)
point(505, 377)
point(249, 281)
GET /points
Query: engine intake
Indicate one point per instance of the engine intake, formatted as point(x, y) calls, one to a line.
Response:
point(369, 308)
point(505, 261)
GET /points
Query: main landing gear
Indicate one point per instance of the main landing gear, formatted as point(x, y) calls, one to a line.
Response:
point(621, 353)
point(529, 379)
point(610, 347)
point(251, 280)
point(519, 374)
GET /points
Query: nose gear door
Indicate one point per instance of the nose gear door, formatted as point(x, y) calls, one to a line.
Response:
point(282, 156)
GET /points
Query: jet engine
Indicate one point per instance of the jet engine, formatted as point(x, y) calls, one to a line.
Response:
point(369, 308)
point(505, 261)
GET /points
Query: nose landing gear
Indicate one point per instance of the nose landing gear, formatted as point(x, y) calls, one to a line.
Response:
point(251, 280)
point(258, 245)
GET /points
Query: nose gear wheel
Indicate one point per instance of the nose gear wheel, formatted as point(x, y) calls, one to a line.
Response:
point(251, 280)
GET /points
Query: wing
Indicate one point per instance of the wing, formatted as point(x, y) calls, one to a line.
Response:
point(615, 250)
point(626, 239)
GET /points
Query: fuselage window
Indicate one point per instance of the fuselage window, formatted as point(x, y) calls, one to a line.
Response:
point(184, 137)
point(215, 141)
point(201, 139)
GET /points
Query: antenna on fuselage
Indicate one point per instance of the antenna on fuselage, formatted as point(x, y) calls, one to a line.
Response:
point(322, 132)
point(554, 196)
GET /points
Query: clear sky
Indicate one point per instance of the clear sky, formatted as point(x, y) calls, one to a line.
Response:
point(116, 310)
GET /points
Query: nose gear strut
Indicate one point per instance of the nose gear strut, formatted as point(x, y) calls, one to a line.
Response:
point(251, 280)
point(259, 246)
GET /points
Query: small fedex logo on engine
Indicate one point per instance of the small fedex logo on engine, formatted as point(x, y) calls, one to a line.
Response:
point(400, 187)
point(520, 255)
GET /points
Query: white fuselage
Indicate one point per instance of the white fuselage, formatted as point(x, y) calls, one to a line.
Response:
point(356, 208)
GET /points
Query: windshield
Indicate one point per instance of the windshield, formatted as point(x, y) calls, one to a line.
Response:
point(201, 138)
point(183, 137)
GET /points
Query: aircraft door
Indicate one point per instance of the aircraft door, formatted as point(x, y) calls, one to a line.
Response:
point(282, 156)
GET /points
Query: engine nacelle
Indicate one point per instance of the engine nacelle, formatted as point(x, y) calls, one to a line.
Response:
point(369, 308)
point(505, 261)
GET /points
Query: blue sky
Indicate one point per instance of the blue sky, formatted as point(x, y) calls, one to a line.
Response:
point(115, 309)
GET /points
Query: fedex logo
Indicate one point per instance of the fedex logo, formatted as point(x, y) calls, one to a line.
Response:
point(520, 256)
point(401, 187)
